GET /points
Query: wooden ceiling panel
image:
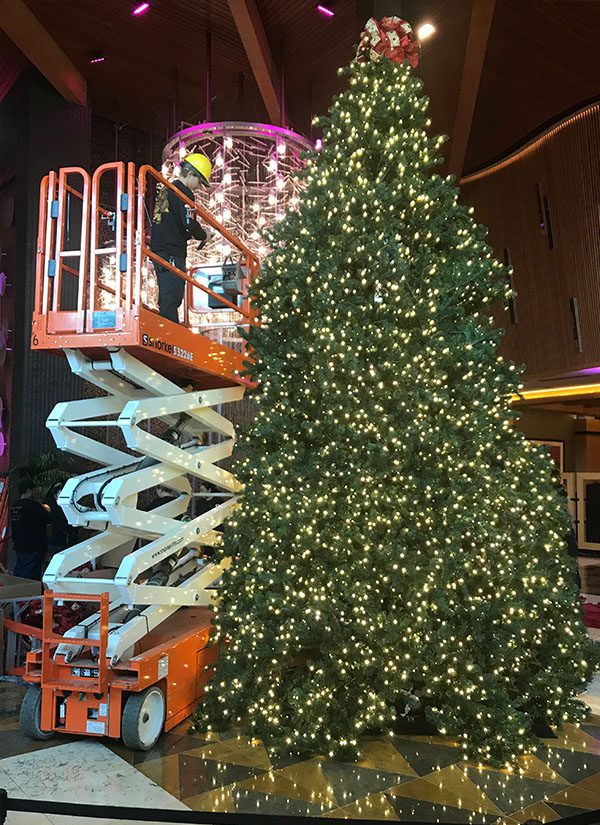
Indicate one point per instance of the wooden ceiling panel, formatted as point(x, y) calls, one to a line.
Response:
point(310, 47)
point(442, 58)
point(154, 58)
point(542, 59)
point(12, 61)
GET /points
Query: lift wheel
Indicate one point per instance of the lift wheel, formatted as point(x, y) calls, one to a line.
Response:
point(143, 719)
point(31, 714)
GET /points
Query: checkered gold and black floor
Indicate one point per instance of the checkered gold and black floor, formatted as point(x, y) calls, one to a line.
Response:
point(401, 778)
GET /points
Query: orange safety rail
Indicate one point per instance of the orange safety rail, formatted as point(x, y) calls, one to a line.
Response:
point(250, 264)
point(23, 629)
point(121, 241)
point(92, 275)
point(50, 641)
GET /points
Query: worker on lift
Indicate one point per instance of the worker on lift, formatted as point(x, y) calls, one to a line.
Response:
point(172, 227)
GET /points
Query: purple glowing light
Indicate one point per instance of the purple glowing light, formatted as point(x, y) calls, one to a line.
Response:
point(324, 10)
point(318, 144)
point(141, 8)
point(588, 371)
point(97, 59)
point(266, 130)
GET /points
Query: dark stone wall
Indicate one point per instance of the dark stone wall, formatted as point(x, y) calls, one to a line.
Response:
point(112, 141)
point(40, 131)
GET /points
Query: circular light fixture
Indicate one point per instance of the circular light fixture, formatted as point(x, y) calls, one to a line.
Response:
point(425, 30)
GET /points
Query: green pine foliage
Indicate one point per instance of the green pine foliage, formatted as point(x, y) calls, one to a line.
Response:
point(399, 545)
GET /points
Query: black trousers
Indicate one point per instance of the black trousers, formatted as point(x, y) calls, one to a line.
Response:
point(171, 288)
point(29, 565)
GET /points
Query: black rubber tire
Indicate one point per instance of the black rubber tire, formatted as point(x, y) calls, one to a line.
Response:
point(130, 733)
point(31, 713)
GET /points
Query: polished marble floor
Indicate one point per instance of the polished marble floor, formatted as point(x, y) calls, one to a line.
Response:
point(404, 778)
point(83, 771)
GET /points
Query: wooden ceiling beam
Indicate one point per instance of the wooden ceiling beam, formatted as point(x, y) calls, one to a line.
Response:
point(26, 31)
point(250, 27)
point(482, 13)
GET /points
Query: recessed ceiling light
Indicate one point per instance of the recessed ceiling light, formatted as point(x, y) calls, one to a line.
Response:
point(425, 30)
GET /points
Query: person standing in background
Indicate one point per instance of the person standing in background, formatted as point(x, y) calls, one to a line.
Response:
point(29, 520)
point(62, 535)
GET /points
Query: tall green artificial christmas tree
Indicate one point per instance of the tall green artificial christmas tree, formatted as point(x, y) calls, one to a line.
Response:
point(399, 544)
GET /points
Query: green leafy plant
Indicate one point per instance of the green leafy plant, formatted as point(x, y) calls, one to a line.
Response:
point(44, 471)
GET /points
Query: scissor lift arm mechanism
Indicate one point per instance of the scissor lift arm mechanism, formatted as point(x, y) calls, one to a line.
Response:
point(107, 500)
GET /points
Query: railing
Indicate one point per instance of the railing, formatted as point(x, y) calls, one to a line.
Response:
point(113, 239)
point(20, 637)
point(119, 220)
point(50, 641)
point(250, 265)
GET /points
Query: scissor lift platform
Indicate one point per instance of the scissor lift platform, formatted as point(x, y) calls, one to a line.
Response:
point(173, 350)
point(138, 664)
point(93, 279)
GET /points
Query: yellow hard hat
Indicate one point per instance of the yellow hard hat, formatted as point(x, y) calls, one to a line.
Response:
point(201, 164)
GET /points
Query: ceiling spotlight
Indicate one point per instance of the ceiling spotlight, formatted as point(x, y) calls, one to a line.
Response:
point(325, 10)
point(425, 30)
point(140, 9)
point(97, 58)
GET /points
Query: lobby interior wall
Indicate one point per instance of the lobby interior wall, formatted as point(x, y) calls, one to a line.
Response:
point(40, 131)
point(541, 208)
point(542, 425)
point(580, 436)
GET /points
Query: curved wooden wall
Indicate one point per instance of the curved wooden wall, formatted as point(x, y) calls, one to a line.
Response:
point(542, 207)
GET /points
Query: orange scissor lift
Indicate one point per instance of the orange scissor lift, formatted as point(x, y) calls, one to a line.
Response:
point(137, 663)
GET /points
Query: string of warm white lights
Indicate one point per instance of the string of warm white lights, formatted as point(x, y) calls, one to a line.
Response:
point(253, 183)
point(254, 179)
point(399, 546)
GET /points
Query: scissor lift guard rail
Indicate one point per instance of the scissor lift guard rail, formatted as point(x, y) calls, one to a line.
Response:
point(138, 663)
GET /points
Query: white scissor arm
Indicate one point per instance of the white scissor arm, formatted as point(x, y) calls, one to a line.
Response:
point(148, 582)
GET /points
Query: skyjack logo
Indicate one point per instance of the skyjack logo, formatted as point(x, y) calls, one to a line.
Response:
point(163, 346)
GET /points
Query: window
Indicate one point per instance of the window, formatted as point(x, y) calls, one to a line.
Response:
point(544, 214)
point(512, 301)
point(548, 219)
point(575, 324)
point(540, 206)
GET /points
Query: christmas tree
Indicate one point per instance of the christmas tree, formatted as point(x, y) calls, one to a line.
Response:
point(399, 546)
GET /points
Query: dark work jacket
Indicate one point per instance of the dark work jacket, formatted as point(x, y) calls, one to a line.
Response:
point(28, 520)
point(61, 533)
point(176, 226)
